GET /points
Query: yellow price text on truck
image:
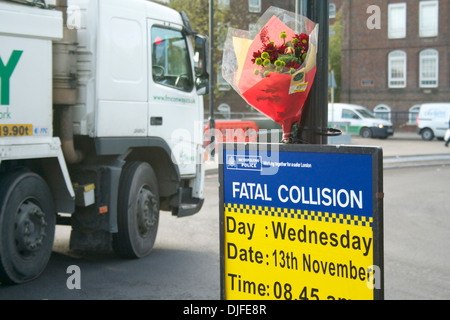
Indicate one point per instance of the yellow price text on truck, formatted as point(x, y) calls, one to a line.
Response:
point(16, 130)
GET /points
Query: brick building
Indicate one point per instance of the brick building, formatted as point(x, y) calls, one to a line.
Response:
point(395, 55)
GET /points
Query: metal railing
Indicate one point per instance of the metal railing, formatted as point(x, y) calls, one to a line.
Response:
point(399, 118)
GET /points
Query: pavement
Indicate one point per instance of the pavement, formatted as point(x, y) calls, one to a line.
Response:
point(406, 149)
point(403, 150)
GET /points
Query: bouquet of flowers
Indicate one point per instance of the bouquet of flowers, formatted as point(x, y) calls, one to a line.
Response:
point(285, 58)
point(273, 68)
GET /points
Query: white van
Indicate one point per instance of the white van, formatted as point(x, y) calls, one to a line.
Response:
point(362, 120)
point(433, 120)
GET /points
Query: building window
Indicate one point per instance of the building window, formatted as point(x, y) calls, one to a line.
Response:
point(254, 6)
point(413, 114)
point(397, 69)
point(397, 21)
point(332, 11)
point(383, 111)
point(428, 18)
point(429, 68)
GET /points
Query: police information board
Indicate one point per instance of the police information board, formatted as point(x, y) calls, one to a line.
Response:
point(301, 222)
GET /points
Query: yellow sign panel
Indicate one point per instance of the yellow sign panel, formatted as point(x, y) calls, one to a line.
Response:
point(286, 254)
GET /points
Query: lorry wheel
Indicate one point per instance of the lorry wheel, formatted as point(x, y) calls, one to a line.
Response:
point(137, 211)
point(27, 227)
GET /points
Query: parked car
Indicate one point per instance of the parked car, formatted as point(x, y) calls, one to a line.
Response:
point(433, 120)
point(362, 120)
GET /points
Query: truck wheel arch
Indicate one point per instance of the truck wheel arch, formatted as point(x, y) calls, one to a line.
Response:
point(51, 172)
point(153, 150)
point(166, 171)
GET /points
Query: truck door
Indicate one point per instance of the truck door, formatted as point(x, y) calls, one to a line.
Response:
point(175, 110)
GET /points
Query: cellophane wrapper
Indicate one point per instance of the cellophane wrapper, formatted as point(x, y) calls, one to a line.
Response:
point(280, 96)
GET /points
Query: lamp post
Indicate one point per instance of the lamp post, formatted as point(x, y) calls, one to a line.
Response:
point(212, 122)
point(315, 117)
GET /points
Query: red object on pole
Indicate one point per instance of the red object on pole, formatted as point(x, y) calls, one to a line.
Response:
point(274, 88)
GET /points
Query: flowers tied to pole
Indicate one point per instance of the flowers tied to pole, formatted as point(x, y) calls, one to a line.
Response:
point(274, 67)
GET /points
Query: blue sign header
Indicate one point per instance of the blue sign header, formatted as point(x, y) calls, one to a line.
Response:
point(319, 182)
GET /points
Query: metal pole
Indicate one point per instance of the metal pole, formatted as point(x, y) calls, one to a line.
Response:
point(315, 117)
point(333, 86)
point(300, 7)
point(212, 122)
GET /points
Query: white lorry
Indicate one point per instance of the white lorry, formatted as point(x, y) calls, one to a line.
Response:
point(101, 116)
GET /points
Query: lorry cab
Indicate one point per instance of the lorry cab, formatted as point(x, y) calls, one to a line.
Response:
point(101, 126)
point(138, 77)
point(433, 120)
point(362, 121)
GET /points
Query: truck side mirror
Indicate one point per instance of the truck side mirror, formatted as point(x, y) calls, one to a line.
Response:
point(201, 63)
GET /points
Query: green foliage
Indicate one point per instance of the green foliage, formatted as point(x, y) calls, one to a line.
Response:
point(289, 58)
point(198, 13)
point(335, 54)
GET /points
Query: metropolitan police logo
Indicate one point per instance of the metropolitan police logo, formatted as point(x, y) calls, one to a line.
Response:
point(231, 162)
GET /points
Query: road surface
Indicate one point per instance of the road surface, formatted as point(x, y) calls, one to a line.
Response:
point(185, 262)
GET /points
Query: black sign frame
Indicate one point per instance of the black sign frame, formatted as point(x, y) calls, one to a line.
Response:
point(376, 154)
